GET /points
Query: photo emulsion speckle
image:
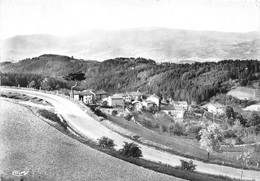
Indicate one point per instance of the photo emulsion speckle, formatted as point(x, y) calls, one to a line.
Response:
point(129, 90)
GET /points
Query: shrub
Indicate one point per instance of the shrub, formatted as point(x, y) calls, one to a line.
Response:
point(229, 134)
point(148, 124)
point(106, 142)
point(157, 126)
point(195, 128)
point(131, 150)
point(128, 117)
point(164, 128)
point(100, 113)
point(136, 137)
point(114, 113)
point(177, 129)
point(188, 165)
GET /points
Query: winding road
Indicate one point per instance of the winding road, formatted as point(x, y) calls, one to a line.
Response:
point(87, 126)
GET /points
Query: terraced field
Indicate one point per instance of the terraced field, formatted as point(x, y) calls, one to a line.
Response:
point(28, 143)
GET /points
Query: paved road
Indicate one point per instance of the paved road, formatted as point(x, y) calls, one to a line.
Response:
point(86, 125)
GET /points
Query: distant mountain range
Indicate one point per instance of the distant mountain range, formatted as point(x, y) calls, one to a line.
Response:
point(159, 44)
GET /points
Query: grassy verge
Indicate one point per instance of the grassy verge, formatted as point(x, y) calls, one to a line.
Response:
point(53, 117)
point(14, 95)
point(23, 97)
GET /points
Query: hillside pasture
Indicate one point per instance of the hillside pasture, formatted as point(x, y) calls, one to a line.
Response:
point(245, 93)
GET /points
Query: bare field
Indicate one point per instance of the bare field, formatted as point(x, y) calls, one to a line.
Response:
point(28, 143)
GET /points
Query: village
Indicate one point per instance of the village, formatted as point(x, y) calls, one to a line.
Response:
point(122, 104)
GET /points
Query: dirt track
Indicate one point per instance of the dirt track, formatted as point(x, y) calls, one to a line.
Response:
point(28, 143)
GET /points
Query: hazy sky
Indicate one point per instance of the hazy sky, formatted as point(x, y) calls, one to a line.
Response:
point(65, 17)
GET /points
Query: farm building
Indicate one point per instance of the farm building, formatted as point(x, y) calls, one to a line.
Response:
point(116, 100)
point(100, 94)
point(88, 96)
point(215, 108)
point(135, 95)
point(154, 98)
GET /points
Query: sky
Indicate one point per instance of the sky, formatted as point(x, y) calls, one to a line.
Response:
point(67, 17)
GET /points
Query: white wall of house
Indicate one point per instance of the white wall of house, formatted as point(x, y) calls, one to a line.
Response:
point(109, 101)
point(76, 97)
point(138, 106)
point(88, 99)
point(154, 99)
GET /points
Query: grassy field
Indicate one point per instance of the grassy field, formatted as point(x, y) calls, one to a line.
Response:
point(244, 93)
point(179, 145)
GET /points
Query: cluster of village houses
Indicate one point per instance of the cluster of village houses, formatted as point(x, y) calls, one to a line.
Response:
point(139, 101)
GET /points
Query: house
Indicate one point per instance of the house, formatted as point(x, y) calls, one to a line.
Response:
point(215, 108)
point(135, 95)
point(180, 105)
point(76, 96)
point(100, 94)
point(154, 98)
point(88, 96)
point(116, 100)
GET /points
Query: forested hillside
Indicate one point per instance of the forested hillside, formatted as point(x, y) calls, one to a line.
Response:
point(192, 82)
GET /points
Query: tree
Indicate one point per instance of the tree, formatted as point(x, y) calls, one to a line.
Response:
point(106, 142)
point(114, 112)
point(45, 84)
point(131, 150)
point(188, 165)
point(256, 154)
point(245, 158)
point(254, 120)
point(210, 138)
point(32, 84)
point(230, 112)
point(77, 76)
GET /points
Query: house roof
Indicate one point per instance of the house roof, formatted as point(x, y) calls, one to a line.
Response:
point(118, 96)
point(180, 102)
point(134, 102)
point(154, 96)
point(149, 102)
point(100, 92)
point(216, 105)
point(135, 93)
point(76, 92)
point(164, 101)
point(87, 92)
